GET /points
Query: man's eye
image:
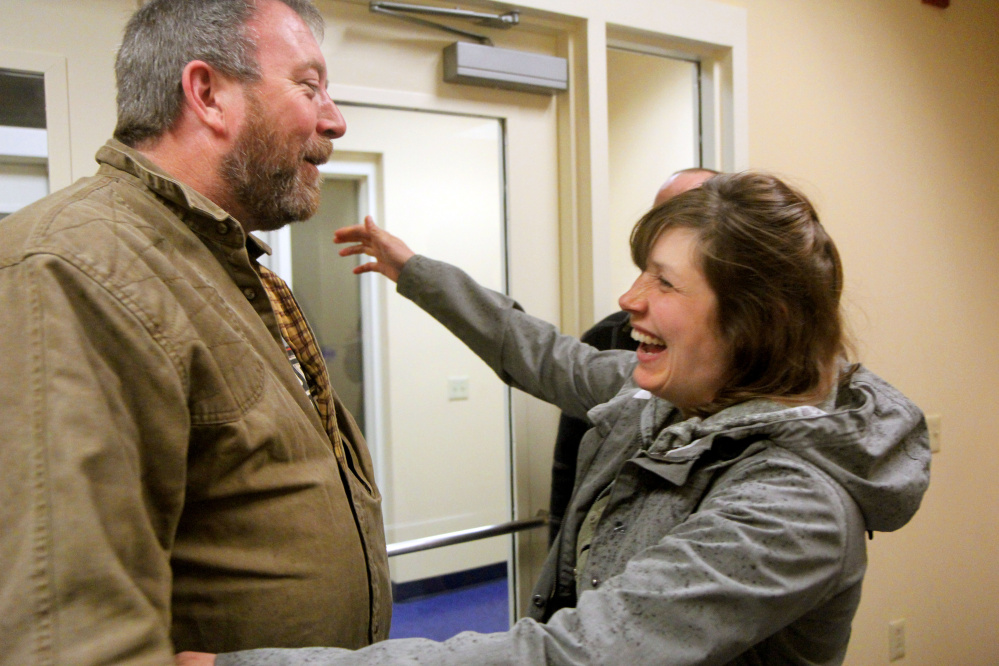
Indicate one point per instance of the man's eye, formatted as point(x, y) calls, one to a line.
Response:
point(663, 282)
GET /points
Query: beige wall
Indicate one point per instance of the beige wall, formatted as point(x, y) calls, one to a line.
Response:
point(887, 114)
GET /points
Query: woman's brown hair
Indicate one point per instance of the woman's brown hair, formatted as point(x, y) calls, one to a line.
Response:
point(778, 279)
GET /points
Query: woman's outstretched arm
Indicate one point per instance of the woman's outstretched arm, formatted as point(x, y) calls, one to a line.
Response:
point(526, 352)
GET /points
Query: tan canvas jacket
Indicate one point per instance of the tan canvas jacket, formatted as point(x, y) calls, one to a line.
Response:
point(167, 484)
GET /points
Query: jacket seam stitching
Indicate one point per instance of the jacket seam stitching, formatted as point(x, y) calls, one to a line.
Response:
point(41, 570)
point(130, 305)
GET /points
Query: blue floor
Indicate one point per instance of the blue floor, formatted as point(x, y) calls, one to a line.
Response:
point(482, 607)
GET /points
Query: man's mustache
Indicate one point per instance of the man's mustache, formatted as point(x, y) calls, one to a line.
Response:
point(318, 151)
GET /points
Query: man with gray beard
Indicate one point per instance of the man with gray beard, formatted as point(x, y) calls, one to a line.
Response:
point(178, 473)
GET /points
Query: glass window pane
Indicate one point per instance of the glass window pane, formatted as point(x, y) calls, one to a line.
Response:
point(22, 99)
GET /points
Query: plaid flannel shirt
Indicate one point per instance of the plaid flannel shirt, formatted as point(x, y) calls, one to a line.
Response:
point(296, 332)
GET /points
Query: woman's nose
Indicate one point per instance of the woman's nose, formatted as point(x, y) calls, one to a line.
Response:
point(632, 300)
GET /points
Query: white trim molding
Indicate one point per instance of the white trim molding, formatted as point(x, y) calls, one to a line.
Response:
point(53, 67)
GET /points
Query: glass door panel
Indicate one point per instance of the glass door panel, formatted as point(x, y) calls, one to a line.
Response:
point(329, 293)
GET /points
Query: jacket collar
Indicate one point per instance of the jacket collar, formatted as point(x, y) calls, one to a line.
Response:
point(198, 211)
point(670, 445)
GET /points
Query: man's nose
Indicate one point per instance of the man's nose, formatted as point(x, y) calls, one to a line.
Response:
point(331, 123)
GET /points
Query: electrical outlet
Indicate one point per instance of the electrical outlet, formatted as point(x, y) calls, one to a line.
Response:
point(457, 388)
point(934, 423)
point(896, 639)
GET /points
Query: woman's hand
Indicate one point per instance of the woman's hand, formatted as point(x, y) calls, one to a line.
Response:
point(390, 253)
point(194, 659)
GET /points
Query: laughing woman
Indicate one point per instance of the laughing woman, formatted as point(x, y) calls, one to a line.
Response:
point(734, 464)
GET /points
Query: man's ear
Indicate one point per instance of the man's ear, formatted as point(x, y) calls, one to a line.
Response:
point(210, 96)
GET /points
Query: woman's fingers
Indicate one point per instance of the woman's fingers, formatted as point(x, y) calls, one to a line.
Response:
point(353, 249)
point(369, 267)
point(389, 252)
point(352, 234)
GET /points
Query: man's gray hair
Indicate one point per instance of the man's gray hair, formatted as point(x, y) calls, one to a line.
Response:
point(164, 35)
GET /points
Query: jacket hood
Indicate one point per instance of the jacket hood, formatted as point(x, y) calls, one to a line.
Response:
point(868, 437)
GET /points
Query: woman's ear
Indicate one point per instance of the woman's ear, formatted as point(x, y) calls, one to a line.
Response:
point(210, 96)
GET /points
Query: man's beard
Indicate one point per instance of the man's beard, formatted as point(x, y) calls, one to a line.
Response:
point(264, 173)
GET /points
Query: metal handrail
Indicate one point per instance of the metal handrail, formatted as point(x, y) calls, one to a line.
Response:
point(461, 536)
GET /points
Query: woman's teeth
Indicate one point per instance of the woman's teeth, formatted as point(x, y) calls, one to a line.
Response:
point(646, 339)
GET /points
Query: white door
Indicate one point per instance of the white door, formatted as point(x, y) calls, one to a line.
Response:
point(654, 129)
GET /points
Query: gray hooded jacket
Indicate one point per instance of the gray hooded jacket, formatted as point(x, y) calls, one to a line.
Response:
point(734, 539)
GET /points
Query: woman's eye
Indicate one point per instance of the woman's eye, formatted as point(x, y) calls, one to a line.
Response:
point(666, 284)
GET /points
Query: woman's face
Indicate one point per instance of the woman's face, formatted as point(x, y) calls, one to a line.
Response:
point(674, 316)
